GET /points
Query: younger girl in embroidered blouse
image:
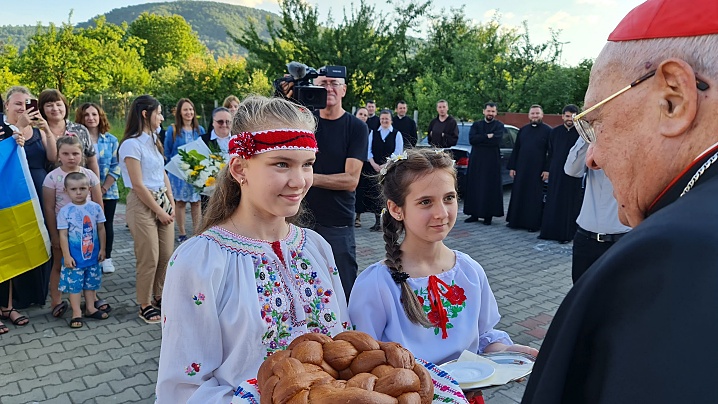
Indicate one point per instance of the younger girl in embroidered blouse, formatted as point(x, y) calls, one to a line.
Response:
point(251, 281)
point(434, 301)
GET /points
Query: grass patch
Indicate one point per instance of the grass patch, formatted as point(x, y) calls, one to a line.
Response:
point(123, 190)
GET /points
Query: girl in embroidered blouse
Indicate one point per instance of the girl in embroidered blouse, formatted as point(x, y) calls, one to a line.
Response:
point(434, 301)
point(251, 281)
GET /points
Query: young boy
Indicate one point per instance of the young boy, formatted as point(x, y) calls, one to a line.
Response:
point(82, 239)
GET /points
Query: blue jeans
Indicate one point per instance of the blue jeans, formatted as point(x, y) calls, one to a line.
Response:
point(344, 249)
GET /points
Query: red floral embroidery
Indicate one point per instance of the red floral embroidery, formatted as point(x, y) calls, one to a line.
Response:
point(441, 302)
point(192, 369)
point(455, 295)
point(435, 317)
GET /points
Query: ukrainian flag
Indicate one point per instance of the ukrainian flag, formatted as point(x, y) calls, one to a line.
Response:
point(24, 241)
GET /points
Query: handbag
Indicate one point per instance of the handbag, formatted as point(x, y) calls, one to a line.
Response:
point(162, 200)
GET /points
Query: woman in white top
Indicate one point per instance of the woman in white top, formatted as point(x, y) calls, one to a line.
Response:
point(251, 281)
point(150, 206)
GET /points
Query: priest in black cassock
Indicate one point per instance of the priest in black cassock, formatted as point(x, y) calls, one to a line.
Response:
point(528, 166)
point(484, 196)
point(564, 197)
point(372, 122)
point(638, 326)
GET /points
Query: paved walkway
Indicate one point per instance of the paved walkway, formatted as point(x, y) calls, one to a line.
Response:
point(115, 360)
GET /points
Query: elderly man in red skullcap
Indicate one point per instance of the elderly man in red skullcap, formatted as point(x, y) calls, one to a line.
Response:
point(638, 327)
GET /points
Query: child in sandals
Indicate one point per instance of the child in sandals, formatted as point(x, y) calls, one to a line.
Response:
point(82, 240)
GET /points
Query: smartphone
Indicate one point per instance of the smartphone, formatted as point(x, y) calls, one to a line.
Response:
point(31, 103)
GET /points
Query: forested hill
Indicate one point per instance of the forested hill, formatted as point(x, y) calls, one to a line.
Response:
point(211, 20)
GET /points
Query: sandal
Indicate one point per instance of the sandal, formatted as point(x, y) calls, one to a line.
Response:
point(357, 222)
point(98, 315)
point(101, 304)
point(148, 312)
point(77, 322)
point(59, 310)
point(3, 329)
point(19, 321)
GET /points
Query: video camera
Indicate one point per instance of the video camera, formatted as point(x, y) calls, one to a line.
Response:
point(311, 96)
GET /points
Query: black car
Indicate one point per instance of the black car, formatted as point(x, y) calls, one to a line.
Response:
point(462, 150)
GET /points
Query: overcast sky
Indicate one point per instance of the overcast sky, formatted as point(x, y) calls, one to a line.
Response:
point(584, 24)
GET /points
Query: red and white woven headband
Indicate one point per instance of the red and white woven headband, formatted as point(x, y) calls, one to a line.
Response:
point(247, 144)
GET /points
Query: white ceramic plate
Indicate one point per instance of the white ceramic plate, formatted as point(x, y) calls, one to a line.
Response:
point(469, 372)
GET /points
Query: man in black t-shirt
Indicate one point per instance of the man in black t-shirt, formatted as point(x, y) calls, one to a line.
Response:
point(343, 143)
point(443, 130)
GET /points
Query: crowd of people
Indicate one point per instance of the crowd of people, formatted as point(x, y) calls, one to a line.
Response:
point(74, 167)
point(272, 271)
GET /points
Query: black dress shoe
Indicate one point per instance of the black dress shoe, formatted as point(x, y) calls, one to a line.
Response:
point(487, 221)
point(376, 227)
point(471, 219)
point(533, 230)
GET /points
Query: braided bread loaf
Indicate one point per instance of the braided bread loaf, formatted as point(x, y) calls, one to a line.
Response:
point(351, 368)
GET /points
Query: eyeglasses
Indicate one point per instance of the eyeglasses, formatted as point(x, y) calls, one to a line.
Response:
point(222, 122)
point(333, 84)
point(585, 129)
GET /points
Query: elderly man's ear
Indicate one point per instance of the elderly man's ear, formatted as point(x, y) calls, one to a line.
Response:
point(676, 86)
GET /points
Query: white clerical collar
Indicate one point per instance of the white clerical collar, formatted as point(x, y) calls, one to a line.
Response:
point(213, 136)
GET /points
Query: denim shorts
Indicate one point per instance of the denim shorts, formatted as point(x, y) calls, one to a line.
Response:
point(75, 280)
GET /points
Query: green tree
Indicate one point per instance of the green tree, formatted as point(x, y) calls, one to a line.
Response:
point(8, 67)
point(169, 40)
point(469, 64)
point(57, 58)
point(118, 67)
point(372, 45)
point(205, 80)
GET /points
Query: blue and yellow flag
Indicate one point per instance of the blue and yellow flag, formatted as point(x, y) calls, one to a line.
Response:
point(24, 242)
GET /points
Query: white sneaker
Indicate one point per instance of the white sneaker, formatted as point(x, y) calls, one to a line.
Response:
point(107, 267)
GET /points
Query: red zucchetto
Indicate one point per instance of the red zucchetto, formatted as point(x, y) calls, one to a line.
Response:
point(668, 19)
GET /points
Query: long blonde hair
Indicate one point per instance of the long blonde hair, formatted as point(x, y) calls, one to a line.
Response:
point(255, 113)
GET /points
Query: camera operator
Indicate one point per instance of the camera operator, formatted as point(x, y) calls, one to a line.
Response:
point(342, 140)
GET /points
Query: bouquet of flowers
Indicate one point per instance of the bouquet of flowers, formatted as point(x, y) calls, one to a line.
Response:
point(198, 165)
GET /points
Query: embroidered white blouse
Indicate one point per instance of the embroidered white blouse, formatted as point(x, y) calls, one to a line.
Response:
point(375, 308)
point(230, 301)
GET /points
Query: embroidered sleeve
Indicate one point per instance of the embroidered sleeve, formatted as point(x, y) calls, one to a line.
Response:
point(191, 333)
point(327, 261)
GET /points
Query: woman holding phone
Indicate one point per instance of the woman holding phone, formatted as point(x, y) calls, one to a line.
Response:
point(30, 287)
point(53, 107)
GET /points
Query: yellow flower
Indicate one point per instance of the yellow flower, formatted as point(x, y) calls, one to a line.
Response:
point(210, 181)
point(198, 167)
point(192, 173)
point(221, 166)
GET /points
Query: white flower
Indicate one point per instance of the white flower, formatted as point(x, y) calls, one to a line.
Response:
point(184, 166)
point(396, 157)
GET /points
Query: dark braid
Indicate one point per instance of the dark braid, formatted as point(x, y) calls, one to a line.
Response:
point(392, 230)
point(395, 180)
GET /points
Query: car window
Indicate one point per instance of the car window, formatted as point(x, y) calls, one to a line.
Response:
point(464, 134)
point(507, 142)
